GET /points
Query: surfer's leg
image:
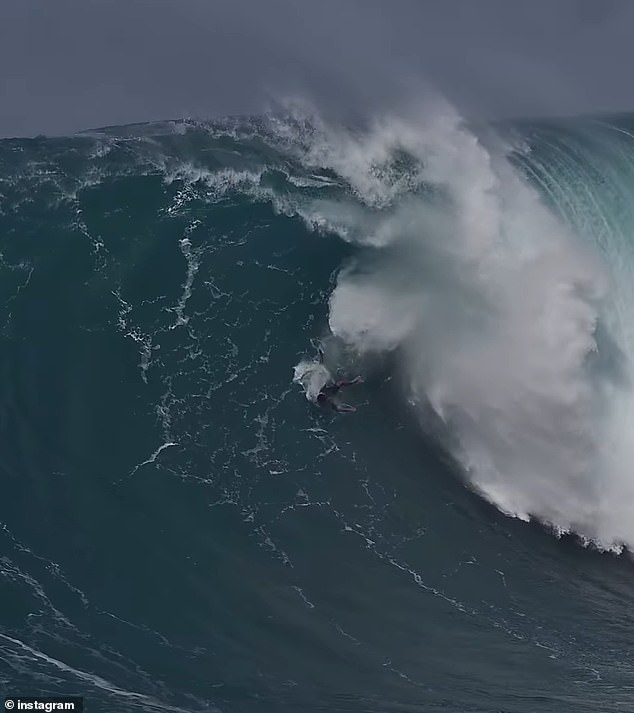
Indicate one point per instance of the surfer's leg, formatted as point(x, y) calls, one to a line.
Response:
point(343, 382)
point(343, 408)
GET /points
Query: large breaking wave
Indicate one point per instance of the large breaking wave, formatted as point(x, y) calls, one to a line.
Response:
point(182, 530)
point(492, 266)
point(507, 317)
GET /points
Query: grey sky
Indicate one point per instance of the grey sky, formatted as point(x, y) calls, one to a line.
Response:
point(74, 64)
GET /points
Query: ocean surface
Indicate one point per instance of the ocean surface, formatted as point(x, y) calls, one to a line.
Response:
point(181, 529)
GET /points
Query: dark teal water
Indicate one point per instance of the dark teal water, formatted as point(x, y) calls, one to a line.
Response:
point(180, 529)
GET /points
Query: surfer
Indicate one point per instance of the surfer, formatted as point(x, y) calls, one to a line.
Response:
point(329, 391)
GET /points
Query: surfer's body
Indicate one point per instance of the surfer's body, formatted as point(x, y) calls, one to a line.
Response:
point(328, 392)
point(319, 385)
point(326, 395)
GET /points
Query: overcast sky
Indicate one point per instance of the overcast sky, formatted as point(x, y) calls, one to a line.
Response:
point(67, 65)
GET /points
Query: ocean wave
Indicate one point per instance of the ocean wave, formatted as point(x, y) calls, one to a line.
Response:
point(477, 261)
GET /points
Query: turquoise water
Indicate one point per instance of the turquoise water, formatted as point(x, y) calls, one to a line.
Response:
point(180, 529)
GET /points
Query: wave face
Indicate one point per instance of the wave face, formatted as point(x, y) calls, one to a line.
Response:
point(182, 531)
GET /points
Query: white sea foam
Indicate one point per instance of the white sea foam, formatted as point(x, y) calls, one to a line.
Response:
point(312, 376)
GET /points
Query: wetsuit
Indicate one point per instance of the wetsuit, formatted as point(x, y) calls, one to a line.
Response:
point(325, 396)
